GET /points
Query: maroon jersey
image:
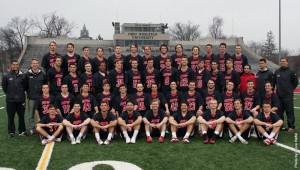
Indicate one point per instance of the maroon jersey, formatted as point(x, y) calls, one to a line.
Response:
point(202, 77)
point(208, 59)
point(150, 77)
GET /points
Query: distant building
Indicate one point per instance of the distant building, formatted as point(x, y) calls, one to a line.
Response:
point(84, 34)
point(141, 34)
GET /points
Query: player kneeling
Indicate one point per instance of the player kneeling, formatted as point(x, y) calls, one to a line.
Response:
point(268, 124)
point(104, 124)
point(50, 126)
point(155, 122)
point(239, 122)
point(76, 124)
point(211, 122)
point(182, 123)
point(130, 122)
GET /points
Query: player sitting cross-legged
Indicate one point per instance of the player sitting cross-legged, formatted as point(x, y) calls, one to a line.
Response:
point(155, 122)
point(76, 123)
point(130, 122)
point(182, 123)
point(211, 122)
point(268, 124)
point(239, 122)
point(104, 123)
point(50, 126)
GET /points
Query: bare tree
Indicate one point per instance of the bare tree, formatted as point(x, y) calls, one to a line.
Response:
point(255, 47)
point(20, 27)
point(9, 43)
point(51, 25)
point(185, 31)
point(215, 29)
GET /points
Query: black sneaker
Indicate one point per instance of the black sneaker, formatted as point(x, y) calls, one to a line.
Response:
point(11, 135)
point(23, 134)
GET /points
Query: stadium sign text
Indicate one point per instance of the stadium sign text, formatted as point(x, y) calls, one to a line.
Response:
point(142, 36)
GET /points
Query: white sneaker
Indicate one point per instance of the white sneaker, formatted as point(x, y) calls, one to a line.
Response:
point(232, 140)
point(244, 142)
point(100, 142)
point(73, 142)
point(127, 140)
point(106, 142)
point(44, 142)
point(58, 139)
point(132, 140)
point(78, 140)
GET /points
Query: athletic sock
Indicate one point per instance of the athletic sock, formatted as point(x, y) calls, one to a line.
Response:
point(71, 136)
point(147, 133)
point(125, 134)
point(205, 135)
point(135, 133)
point(97, 136)
point(187, 135)
point(109, 136)
point(239, 136)
point(272, 135)
point(162, 133)
point(48, 137)
point(266, 135)
point(51, 138)
point(174, 135)
point(80, 135)
point(215, 135)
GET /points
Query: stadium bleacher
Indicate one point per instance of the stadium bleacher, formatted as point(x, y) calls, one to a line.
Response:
point(36, 50)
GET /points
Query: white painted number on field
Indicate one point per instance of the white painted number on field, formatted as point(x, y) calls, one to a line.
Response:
point(117, 165)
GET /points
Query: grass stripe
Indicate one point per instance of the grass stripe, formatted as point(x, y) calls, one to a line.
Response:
point(2, 108)
point(2, 95)
point(297, 107)
point(44, 161)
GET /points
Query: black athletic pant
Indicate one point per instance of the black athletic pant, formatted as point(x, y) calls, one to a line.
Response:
point(11, 109)
point(287, 105)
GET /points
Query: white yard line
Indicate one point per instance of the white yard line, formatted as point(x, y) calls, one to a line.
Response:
point(288, 147)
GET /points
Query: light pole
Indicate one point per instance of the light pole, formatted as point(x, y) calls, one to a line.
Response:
point(279, 54)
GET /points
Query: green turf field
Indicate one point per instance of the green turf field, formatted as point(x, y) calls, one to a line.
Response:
point(25, 152)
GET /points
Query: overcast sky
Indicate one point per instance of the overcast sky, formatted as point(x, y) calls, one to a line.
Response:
point(251, 19)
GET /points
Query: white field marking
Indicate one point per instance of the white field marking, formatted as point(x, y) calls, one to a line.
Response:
point(2, 95)
point(297, 107)
point(2, 108)
point(288, 147)
point(116, 165)
point(45, 158)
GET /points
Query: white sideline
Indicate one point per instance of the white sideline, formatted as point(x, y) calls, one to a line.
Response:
point(288, 147)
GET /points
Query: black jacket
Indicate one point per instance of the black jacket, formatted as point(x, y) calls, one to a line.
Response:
point(14, 85)
point(261, 77)
point(35, 82)
point(286, 81)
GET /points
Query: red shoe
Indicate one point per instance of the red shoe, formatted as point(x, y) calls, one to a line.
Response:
point(273, 141)
point(149, 139)
point(212, 141)
point(267, 141)
point(173, 140)
point(206, 141)
point(161, 139)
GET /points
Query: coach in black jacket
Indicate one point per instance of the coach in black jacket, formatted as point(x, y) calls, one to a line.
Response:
point(35, 78)
point(14, 85)
point(286, 81)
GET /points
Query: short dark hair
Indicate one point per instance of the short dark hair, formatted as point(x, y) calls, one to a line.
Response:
point(84, 48)
point(263, 60)
point(71, 44)
point(209, 45)
point(163, 45)
point(223, 44)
